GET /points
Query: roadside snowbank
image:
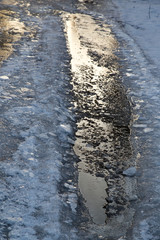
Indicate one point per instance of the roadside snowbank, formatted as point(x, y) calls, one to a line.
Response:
point(138, 27)
point(141, 19)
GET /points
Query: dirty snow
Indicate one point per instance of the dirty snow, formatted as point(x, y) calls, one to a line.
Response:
point(138, 27)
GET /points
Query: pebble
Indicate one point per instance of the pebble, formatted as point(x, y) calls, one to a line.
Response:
point(101, 175)
point(130, 172)
point(107, 166)
point(119, 171)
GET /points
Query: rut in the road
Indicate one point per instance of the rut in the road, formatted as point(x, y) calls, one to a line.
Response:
point(102, 138)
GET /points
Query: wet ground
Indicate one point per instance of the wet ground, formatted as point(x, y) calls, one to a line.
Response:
point(102, 137)
point(72, 117)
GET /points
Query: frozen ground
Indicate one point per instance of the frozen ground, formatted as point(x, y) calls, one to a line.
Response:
point(35, 123)
point(139, 22)
point(41, 103)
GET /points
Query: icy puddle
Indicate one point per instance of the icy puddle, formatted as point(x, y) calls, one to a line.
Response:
point(102, 138)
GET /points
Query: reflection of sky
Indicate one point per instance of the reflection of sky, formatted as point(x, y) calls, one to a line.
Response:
point(11, 30)
point(98, 99)
point(9, 2)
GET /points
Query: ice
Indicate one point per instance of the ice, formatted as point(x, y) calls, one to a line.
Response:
point(4, 77)
point(66, 127)
point(144, 27)
point(147, 130)
point(139, 24)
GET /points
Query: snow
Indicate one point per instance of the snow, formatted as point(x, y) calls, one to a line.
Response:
point(35, 112)
point(33, 109)
point(137, 24)
point(141, 20)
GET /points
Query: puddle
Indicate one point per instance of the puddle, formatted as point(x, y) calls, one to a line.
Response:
point(9, 2)
point(94, 193)
point(102, 137)
point(88, 147)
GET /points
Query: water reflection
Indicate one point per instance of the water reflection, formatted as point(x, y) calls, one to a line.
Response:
point(11, 30)
point(102, 137)
point(9, 2)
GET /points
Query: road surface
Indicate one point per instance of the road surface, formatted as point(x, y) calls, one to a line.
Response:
point(79, 120)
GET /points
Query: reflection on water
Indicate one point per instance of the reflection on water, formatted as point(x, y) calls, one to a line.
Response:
point(9, 2)
point(11, 30)
point(102, 137)
point(94, 193)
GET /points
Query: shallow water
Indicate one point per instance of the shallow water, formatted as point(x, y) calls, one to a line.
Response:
point(102, 137)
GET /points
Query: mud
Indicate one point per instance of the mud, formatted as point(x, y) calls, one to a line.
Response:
point(103, 134)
